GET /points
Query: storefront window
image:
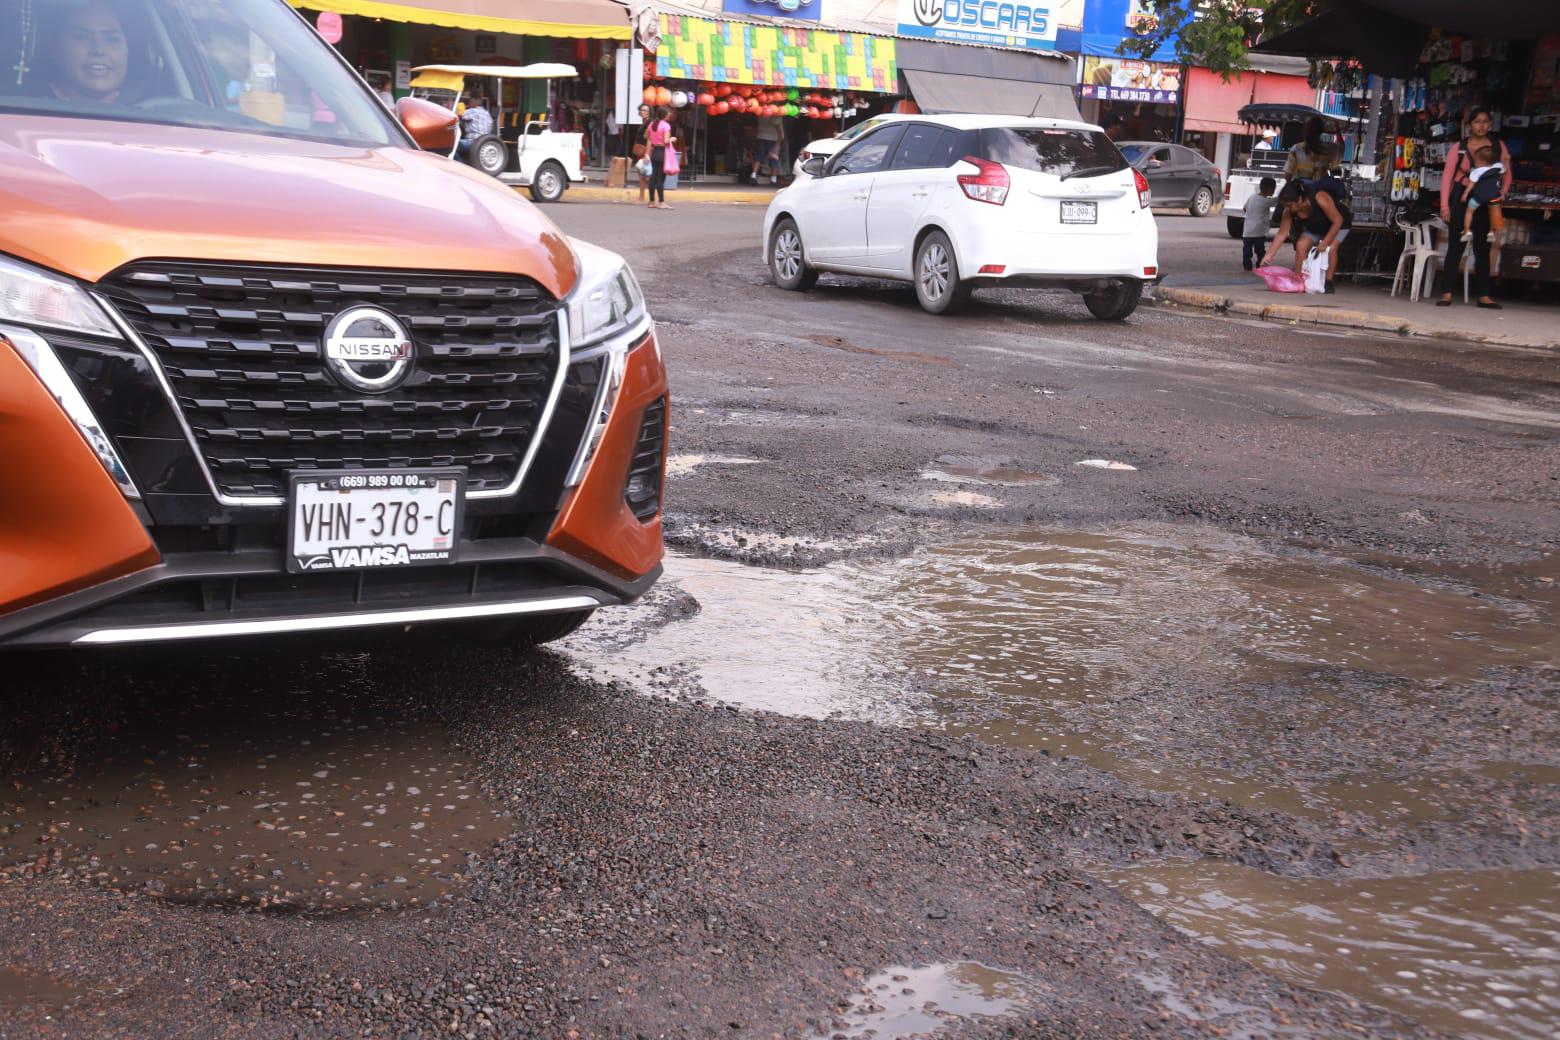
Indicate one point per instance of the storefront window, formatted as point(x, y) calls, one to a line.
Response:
point(244, 65)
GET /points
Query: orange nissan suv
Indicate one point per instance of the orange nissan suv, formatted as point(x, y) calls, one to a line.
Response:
point(268, 363)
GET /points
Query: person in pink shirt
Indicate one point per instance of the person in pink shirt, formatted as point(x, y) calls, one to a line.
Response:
point(1455, 186)
point(659, 137)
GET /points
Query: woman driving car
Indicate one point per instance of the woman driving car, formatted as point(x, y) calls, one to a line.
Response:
point(88, 52)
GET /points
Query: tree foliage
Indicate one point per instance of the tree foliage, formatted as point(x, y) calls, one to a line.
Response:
point(1215, 34)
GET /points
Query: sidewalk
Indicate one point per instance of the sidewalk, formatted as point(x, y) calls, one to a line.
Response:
point(731, 194)
point(1370, 307)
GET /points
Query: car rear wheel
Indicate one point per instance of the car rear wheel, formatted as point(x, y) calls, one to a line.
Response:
point(488, 154)
point(549, 183)
point(1115, 303)
point(787, 260)
point(938, 286)
point(1202, 202)
point(1235, 225)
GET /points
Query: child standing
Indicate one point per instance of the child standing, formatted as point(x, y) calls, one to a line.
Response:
point(1259, 214)
point(1484, 191)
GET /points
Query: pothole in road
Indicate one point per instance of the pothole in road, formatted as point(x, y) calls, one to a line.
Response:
point(1182, 659)
point(228, 805)
point(1470, 953)
point(898, 1002)
point(23, 989)
point(958, 469)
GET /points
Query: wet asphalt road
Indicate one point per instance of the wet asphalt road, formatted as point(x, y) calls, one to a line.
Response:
point(648, 860)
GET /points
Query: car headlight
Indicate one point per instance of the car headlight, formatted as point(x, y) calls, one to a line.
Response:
point(606, 301)
point(605, 305)
point(35, 297)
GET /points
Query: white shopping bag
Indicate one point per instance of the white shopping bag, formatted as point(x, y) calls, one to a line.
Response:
point(1315, 271)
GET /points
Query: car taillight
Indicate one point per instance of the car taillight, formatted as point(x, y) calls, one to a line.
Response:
point(989, 185)
point(1226, 191)
point(1142, 187)
point(805, 155)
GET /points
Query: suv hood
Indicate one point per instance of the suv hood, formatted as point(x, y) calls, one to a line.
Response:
point(84, 197)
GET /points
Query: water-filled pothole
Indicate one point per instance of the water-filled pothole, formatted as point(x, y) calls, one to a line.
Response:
point(1471, 953)
point(228, 804)
point(1186, 660)
point(24, 989)
point(961, 469)
point(898, 1002)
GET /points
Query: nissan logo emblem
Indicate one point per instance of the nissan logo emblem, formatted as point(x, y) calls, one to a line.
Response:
point(368, 350)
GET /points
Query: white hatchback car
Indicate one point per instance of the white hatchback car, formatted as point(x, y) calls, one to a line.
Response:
point(955, 203)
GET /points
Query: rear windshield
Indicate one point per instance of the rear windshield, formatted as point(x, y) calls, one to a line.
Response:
point(1133, 152)
point(1064, 153)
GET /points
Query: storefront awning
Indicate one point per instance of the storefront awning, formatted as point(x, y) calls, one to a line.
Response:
point(939, 93)
point(1212, 104)
point(570, 19)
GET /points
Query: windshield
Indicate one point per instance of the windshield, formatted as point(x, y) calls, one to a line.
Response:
point(1055, 151)
point(247, 65)
point(861, 128)
point(1133, 152)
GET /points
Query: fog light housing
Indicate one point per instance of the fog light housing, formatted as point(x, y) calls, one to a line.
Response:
point(642, 489)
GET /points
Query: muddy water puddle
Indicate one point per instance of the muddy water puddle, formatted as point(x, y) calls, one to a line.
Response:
point(228, 805)
point(1471, 953)
point(24, 989)
point(901, 1002)
point(1037, 639)
point(1196, 662)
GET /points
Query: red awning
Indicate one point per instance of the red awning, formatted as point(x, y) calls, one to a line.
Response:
point(1212, 104)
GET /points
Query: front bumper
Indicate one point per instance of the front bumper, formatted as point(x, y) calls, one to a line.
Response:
point(88, 559)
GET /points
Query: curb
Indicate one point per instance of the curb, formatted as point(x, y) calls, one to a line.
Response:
point(600, 193)
point(1280, 312)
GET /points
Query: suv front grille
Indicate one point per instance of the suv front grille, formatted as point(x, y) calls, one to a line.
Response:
point(241, 347)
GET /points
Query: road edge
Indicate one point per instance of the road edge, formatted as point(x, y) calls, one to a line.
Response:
point(1201, 299)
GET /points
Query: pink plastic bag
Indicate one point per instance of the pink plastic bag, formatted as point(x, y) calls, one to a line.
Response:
point(1281, 279)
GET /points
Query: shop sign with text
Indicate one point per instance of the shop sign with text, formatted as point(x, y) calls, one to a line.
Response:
point(1119, 79)
point(994, 23)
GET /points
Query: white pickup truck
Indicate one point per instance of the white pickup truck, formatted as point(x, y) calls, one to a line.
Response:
point(1242, 183)
point(529, 154)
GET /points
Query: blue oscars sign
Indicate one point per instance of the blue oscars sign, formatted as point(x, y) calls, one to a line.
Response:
point(994, 23)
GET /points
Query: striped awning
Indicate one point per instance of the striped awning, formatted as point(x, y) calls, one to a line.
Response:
point(570, 19)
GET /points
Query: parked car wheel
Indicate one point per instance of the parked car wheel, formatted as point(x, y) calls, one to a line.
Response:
point(489, 154)
point(938, 286)
point(550, 183)
point(1202, 202)
point(1235, 225)
point(1115, 303)
point(787, 261)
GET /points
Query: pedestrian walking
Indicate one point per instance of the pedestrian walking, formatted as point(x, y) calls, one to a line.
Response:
point(1456, 185)
point(771, 131)
point(660, 138)
point(1259, 215)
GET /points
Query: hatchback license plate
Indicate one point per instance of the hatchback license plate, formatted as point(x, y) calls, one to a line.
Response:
point(1080, 212)
point(359, 519)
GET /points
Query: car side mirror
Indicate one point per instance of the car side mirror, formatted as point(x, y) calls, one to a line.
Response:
point(814, 167)
point(432, 126)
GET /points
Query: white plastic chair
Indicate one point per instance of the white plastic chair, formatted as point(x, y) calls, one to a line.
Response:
point(1418, 252)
